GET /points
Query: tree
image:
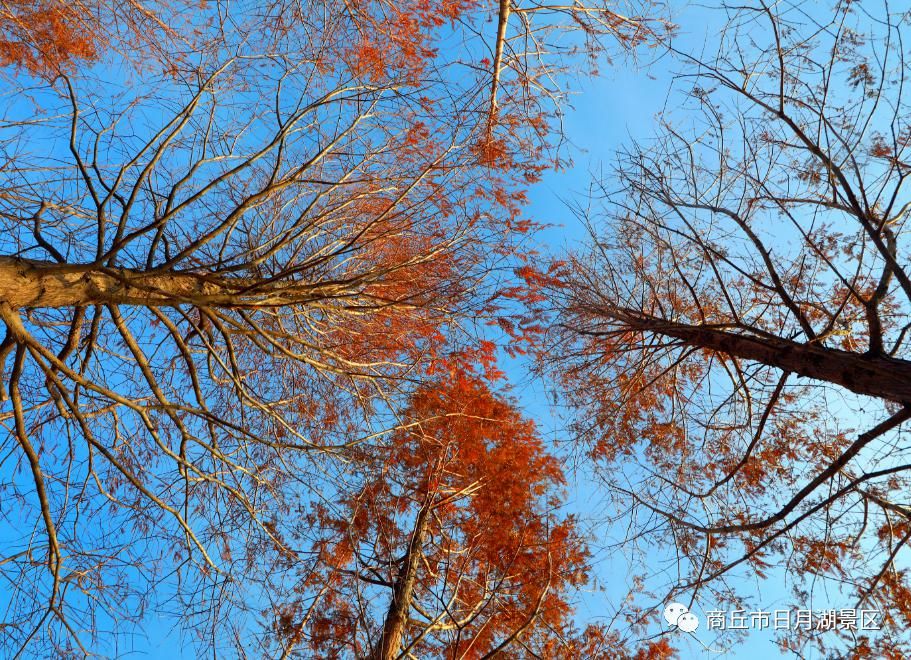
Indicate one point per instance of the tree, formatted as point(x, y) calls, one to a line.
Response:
point(745, 303)
point(218, 277)
point(454, 524)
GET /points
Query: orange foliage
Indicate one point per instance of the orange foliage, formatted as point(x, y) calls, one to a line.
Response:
point(494, 550)
point(395, 39)
point(660, 649)
point(41, 36)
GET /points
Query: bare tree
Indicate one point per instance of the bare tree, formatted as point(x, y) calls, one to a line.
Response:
point(738, 328)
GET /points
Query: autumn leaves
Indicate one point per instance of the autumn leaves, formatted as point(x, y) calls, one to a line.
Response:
point(258, 262)
point(258, 265)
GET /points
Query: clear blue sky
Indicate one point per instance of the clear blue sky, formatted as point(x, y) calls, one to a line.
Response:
point(608, 112)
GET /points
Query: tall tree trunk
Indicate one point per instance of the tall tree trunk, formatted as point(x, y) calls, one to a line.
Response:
point(869, 374)
point(402, 592)
point(25, 283)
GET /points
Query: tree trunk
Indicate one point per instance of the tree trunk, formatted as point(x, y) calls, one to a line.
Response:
point(25, 283)
point(397, 616)
point(869, 374)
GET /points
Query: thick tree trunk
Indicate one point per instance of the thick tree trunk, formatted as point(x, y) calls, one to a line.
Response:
point(397, 616)
point(25, 283)
point(869, 374)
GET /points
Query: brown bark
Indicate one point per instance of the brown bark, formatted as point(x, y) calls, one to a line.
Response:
point(25, 283)
point(868, 374)
point(397, 616)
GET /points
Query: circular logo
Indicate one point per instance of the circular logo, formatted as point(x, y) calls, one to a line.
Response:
point(678, 614)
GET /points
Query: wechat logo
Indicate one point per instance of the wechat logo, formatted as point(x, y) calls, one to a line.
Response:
point(679, 615)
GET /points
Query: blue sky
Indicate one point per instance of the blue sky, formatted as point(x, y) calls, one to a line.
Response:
point(608, 112)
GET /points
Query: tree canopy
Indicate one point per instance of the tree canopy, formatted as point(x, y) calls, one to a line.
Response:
point(239, 245)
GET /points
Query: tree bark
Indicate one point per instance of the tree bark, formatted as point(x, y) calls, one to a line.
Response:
point(25, 283)
point(868, 374)
point(397, 616)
